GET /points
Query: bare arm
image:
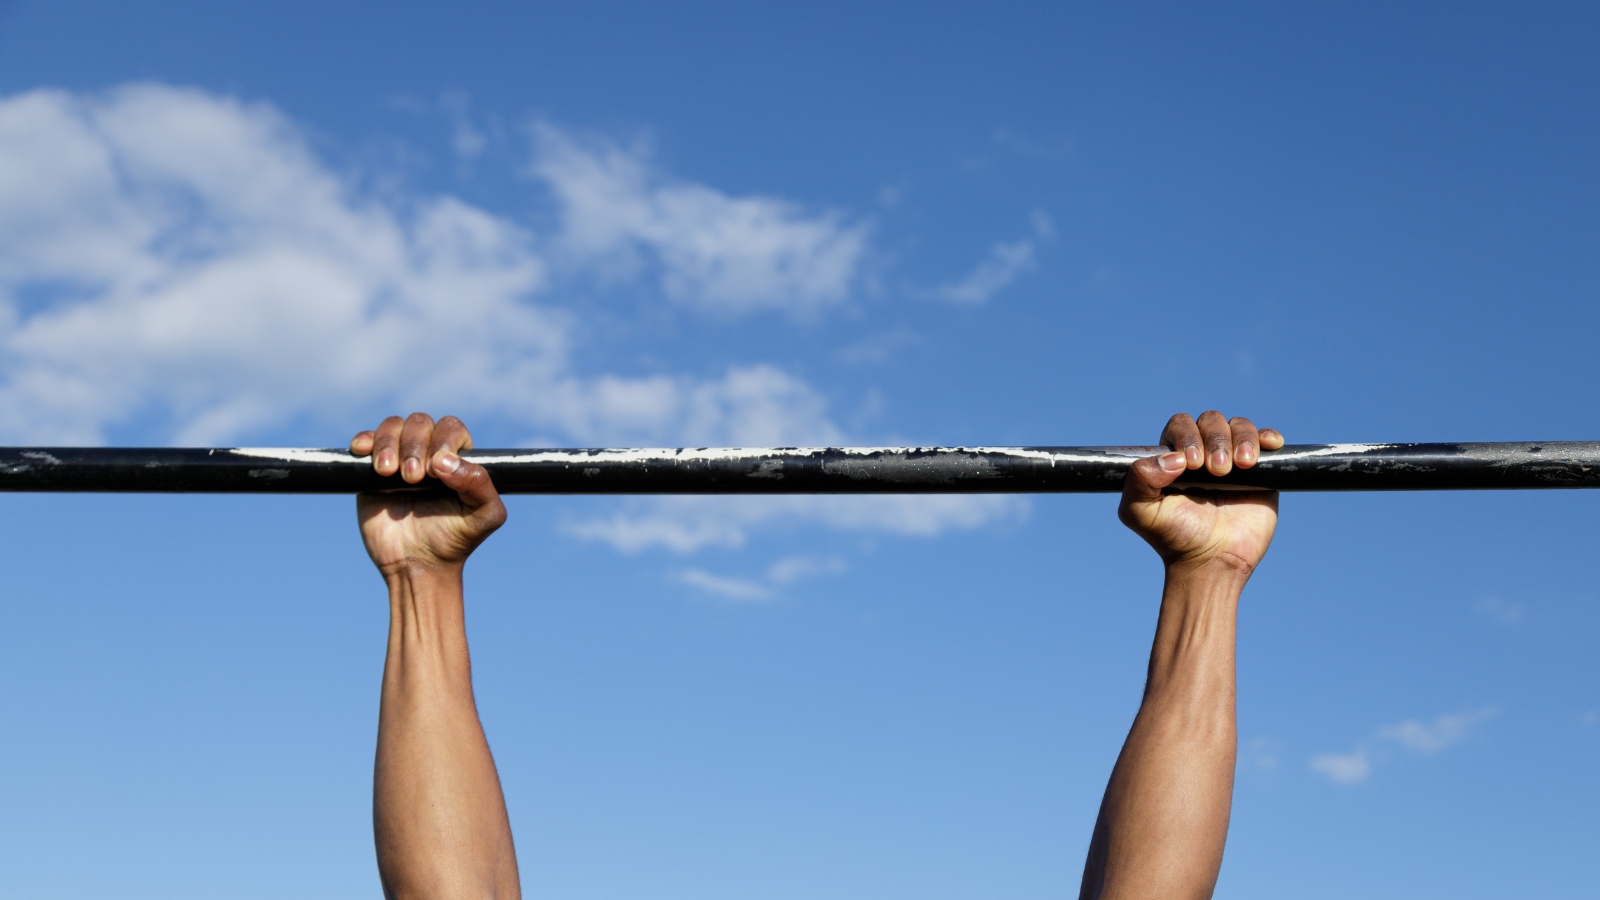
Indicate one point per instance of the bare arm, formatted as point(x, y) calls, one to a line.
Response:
point(439, 818)
point(1164, 818)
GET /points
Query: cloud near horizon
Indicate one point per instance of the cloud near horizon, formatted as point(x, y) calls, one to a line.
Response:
point(180, 265)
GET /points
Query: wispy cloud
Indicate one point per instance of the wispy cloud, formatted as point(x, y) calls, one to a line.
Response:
point(1416, 736)
point(688, 524)
point(1344, 768)
point(1500, 610)
point(1006, 262)
point(1430, 737)
point(467, 139)
point(1263, 754)
point(791, 569)
point(782, 573)
point(877, 348)
point(715, 251)
point(740, 589)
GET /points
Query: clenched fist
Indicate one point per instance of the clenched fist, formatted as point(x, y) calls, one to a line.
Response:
point(427, 529)
point(1228, 527)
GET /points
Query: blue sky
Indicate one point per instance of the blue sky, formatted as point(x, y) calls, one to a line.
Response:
point(720, 223)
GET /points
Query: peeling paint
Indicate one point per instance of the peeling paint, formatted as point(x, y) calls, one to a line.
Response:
point(1327, 450)
point(806, 470)
point(300, 455)
point(756, 454)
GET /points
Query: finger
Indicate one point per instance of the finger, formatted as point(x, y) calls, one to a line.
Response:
point(472, 484)
point(1246, 442)
point(1147, 477)
point(1218, 440)
point(1183, 435)
point(361, 444)
point(449, 435)
point(386, 446)
point(414, 447)
point(1271, 439)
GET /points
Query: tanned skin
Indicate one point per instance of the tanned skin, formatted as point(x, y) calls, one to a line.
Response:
point(438, 815)
point(1164, 818)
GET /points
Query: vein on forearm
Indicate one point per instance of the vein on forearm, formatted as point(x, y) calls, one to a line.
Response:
point(427, 634)
point(1193, 650)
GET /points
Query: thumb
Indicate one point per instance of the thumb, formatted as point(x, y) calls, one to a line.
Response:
point(472, 484)
point(1148, 476)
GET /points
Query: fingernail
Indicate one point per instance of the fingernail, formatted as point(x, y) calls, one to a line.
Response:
point(446, 462)
point(385, 458)
point(1172, 462)
point(1193, 455)
point(1246, 452)
point(1219, 458)
point(413, 466)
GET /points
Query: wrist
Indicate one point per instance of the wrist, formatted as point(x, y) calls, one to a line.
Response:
point(422, 576)
point(1212, 575)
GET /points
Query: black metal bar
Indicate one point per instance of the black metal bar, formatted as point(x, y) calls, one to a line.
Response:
point(858, 470)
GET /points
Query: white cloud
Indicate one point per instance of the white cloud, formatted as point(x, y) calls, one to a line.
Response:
point(794, 568)
point(729, 588)
point(1428, 738)
point(1423, 738)
point(181, 265)
point(780, 574)
point(1006, 262)
point(171, 255)
point(688, 524)
point(198, 264)
point(719, 252)
point(1344, 768)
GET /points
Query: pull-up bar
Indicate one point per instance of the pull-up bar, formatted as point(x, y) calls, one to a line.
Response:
point(808, 470)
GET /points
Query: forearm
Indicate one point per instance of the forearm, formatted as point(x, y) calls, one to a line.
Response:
point(1164, 818)
point(439, 816)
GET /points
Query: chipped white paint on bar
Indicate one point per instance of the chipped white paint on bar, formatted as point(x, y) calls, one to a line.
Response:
point(1329, 450)
point(728, 454)
point(698, 454)
point(300, 454)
